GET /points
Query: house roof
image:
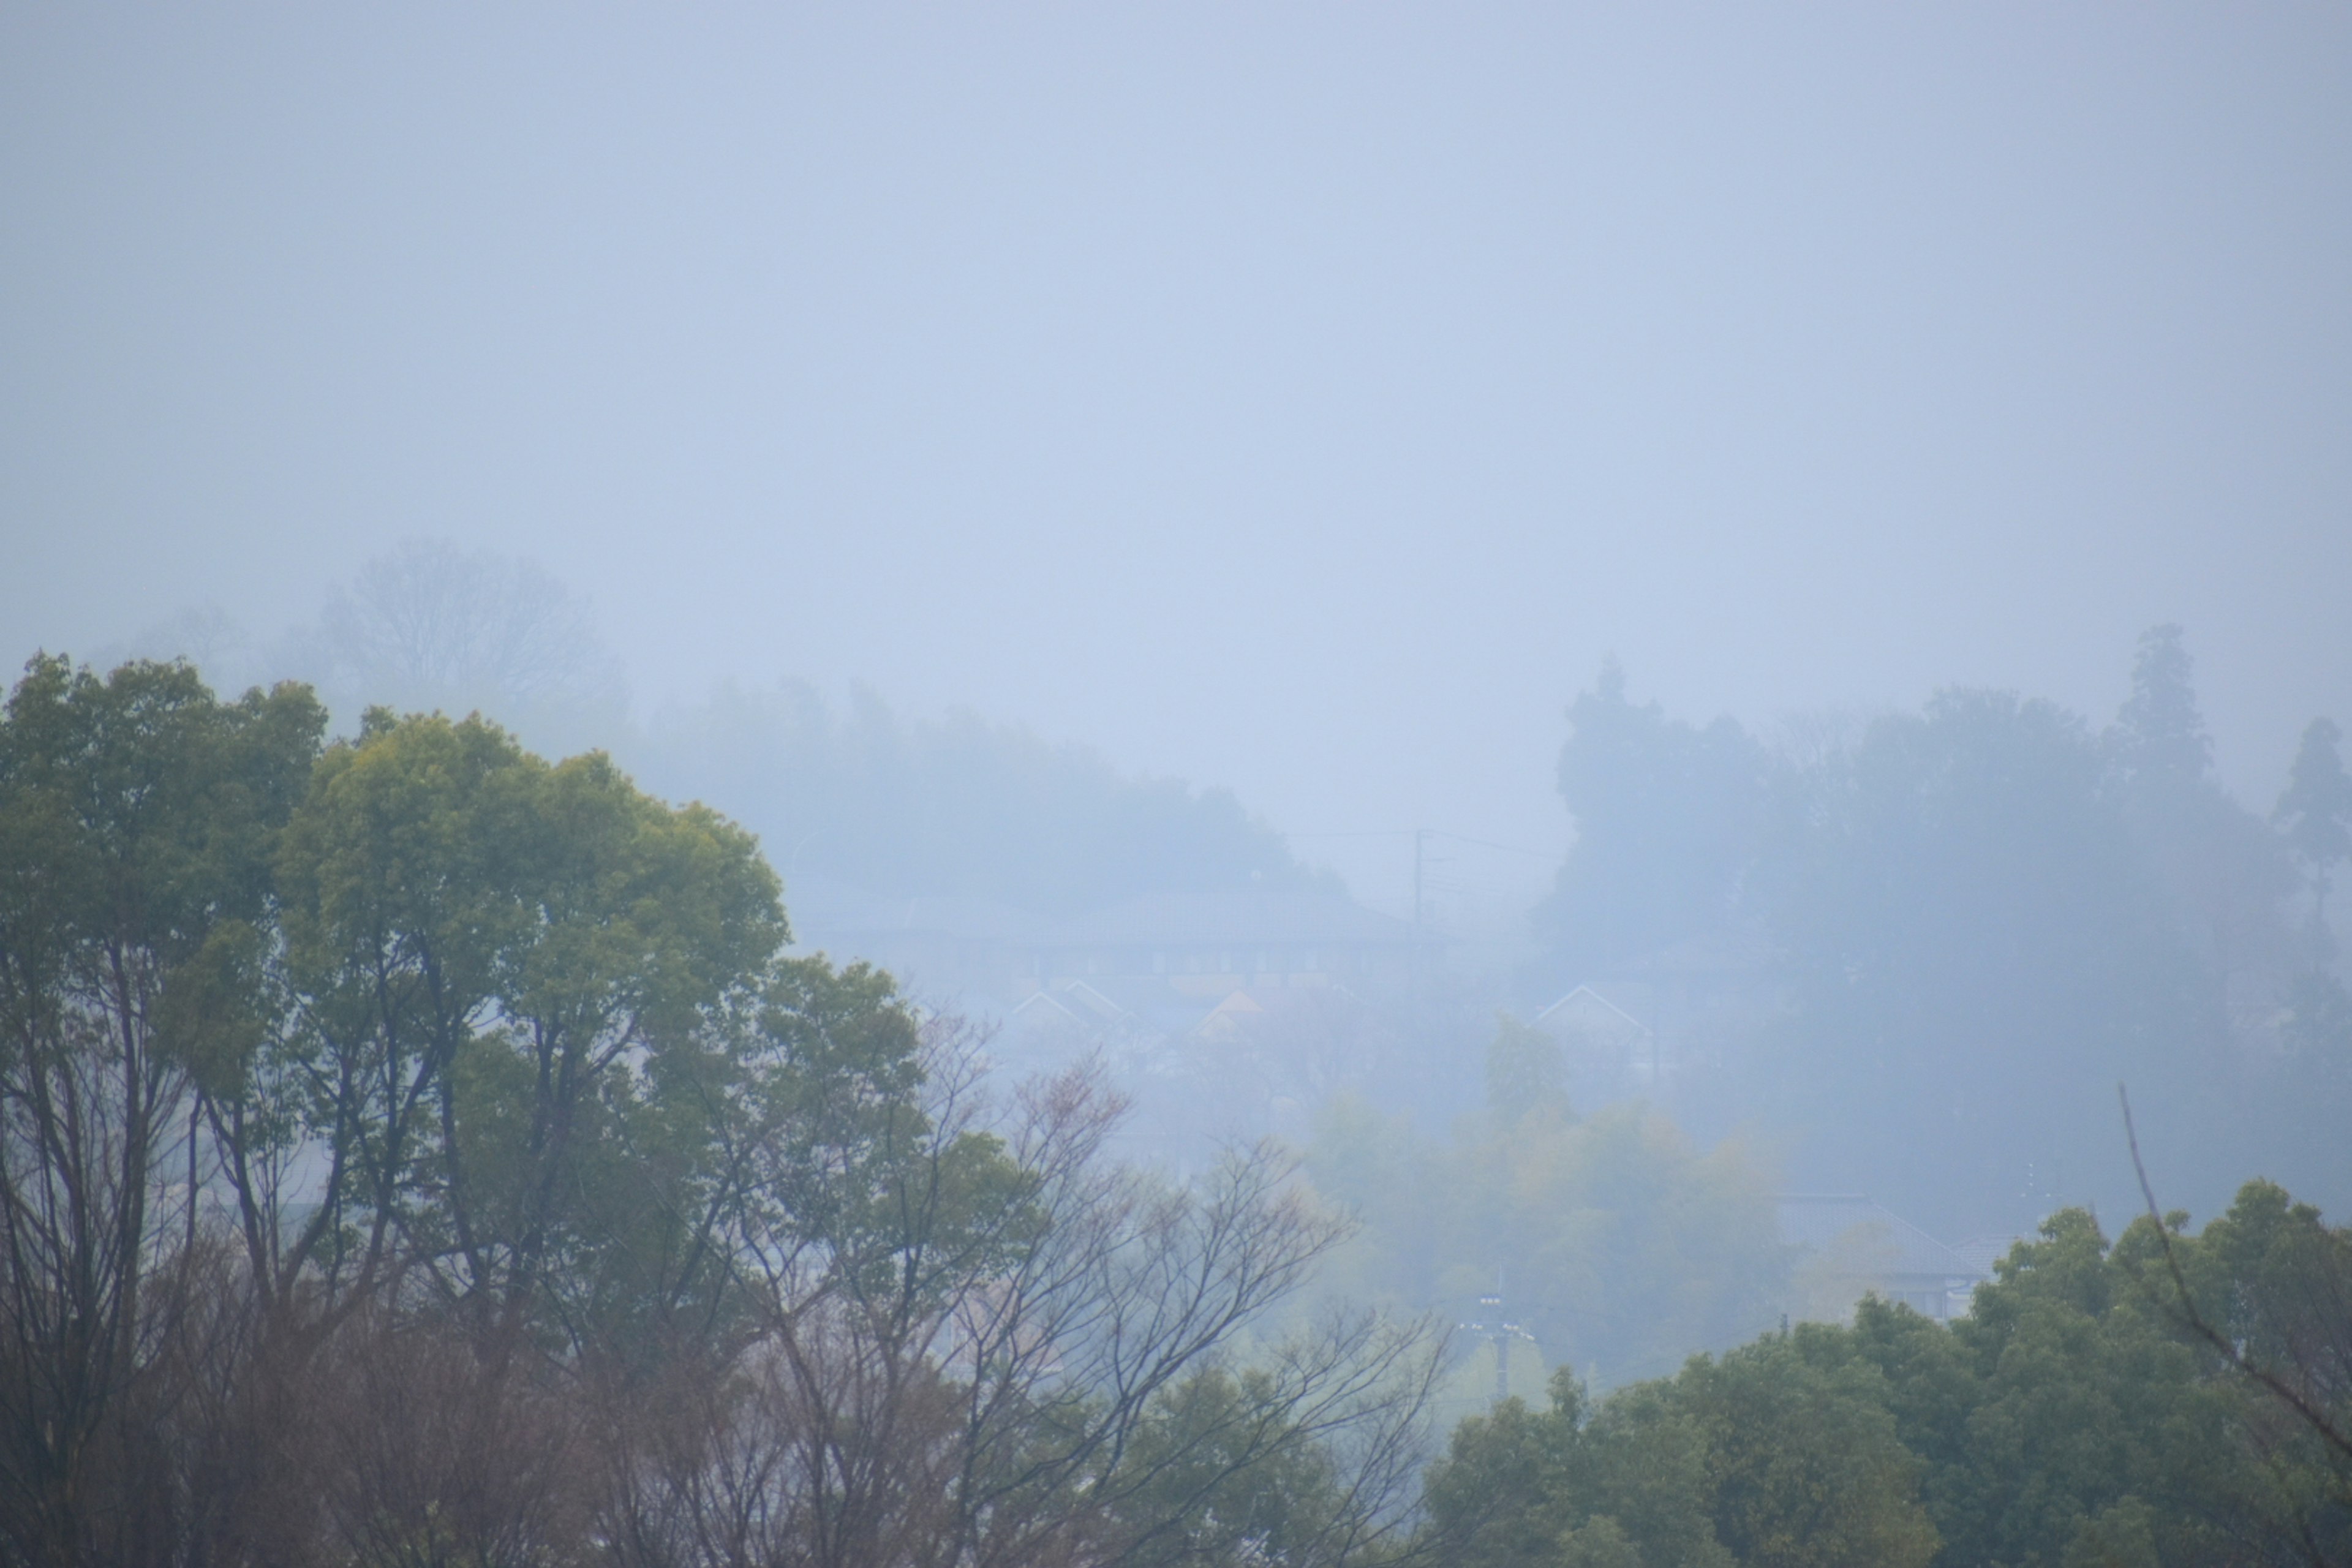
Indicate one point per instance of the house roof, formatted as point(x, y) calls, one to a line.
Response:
point(1820, 1220)
point(1982, 1252)
point(1586, 1005)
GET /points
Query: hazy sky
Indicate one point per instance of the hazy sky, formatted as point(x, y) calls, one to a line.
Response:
point(1298, 397)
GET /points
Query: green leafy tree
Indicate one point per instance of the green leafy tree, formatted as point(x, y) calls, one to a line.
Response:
point(2264, 1294)
point(1767, 1456)
point(1527, 1072)
point(417, 1150)
point(1622, 1243)
point(2088, 1405)
point(497, 954)
point(1807, 1468)
point(138, 818)
point(2174, 1399)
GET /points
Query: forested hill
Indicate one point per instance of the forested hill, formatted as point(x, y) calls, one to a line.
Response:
point(852, 796)
point(1976, 919)
point(958, 807)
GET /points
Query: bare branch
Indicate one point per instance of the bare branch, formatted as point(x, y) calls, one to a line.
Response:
point(2186, 1310)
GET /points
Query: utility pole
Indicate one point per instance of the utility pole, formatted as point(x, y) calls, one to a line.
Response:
point(1498, 1330)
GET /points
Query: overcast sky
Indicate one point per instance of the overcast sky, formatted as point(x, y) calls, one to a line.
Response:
point(1297, 397)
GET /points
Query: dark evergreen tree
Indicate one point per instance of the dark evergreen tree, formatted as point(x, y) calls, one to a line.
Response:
point(1666, 821)
point(2160, 734)
point(2315, 810)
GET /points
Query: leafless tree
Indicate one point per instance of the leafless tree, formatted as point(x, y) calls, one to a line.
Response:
point(983, 1359)
point(431, 625)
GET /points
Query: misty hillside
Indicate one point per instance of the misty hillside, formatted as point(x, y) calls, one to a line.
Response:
point(1175, 785)
point(1926, 950)
point(860, 798)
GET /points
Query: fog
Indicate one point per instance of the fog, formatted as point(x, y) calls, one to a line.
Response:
point(1299, 402)
point(1042, 460)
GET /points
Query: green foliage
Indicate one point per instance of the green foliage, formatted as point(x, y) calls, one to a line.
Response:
point(138, 819)
point(1227, 1484)
point(1622, 1242)
point(2074, 1417)
point(371, 1119)
point(496, 957)
point(1527, 1072)
point(138, 816)
point(1764, 1458)
point(1808, 1472)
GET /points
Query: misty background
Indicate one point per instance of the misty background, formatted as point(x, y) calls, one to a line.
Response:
point(1672, 503)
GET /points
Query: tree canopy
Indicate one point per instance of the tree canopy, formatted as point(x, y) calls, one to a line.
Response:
point(2074, 1417)
point(1969, 922)
point(413, 1149)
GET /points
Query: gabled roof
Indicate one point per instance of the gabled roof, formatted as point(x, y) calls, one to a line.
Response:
point(1819, 1221)
point(1044, 1004)
point(1586, 1002)
point(1982, 1252)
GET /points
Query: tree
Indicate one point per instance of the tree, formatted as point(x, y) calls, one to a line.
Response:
point(382, 1127)
point(496, 953)
point(1975, 949)
point(1807, 1467)
point(2267, 1291)
point(1624, 1243)
point(1666, 817)
point(2098, 1405)
point(1526, 1071)
point(984, 1345)
point(2160, 733)
point(1769, 1456)
point(2315, 810)
point(430, 627)
point(138, 819)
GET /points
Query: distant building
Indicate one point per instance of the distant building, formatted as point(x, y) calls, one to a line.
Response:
point(1655, 1023)
point(1605, 1044)
point(1202, 945)
point(1849, 1248)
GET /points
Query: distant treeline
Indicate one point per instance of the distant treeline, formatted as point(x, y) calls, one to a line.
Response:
point(852, 796)
point(1978, 919)
point(959, 806)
